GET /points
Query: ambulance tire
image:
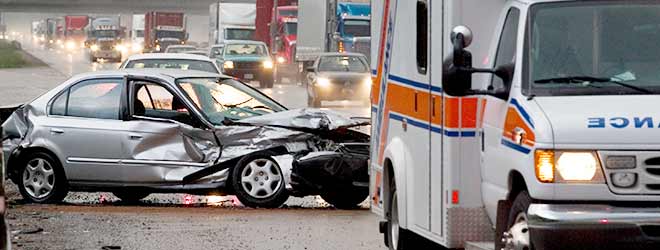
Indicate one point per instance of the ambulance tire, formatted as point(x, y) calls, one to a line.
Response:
point(402, 239)
point(518, 215)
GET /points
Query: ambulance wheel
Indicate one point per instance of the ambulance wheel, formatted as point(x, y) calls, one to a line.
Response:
point(516, 235)
point(259, 182)
point(398, 238)
point(346, 199)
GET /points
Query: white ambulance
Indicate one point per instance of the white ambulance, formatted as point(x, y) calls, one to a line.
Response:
point(551, 140)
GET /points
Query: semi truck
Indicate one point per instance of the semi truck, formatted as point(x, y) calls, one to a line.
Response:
point(162, 29)
point(332, 26)
point(276, 25)
point(232, 21)
point(525, 124)
point(75, 31)
point(104, 39)
point(137, 33)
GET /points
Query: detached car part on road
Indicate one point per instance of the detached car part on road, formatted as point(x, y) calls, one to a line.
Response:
point(139, 132)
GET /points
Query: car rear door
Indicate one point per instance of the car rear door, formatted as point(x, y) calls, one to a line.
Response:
point(84, 126)
point(156, 148)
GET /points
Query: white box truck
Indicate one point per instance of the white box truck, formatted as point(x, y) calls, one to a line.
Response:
point(550, 140)
point(137, 33)
point(232, 21)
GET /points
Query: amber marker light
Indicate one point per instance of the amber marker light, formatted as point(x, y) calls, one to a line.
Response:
point(544, 161)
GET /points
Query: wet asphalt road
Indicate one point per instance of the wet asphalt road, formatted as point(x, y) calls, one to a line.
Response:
point(174, 221)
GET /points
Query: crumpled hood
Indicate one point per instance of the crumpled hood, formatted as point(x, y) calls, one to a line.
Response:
point(306, 118)
point(603, 120)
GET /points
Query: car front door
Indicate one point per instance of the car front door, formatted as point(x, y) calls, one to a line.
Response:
point(156, 148)
point(84, 126)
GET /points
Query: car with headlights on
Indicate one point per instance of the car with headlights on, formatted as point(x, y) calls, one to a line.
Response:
point(338, 76)
point(137, 132)
point(247, 60)
point(183, 61)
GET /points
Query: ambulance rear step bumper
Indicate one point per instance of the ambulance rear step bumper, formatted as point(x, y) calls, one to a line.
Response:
point(587, 226)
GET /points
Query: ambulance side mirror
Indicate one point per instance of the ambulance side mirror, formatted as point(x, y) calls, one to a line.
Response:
point(458, 70)
point(457, 73)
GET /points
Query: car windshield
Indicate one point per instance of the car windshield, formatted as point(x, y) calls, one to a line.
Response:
point(594, 48)
point(227, 99)
point(239, 34)
point(288, 12)
point(104, 33)
point(359, 28)
point(172, 64)
point(170, 34)
point(342, 64)
point(179, 49)
point(246, 50)
point(290, 28)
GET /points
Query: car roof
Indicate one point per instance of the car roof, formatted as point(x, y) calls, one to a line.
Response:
point(166, 74)
point(340, 54)
point(181, 46)
point(180, 56)
point(243, 42)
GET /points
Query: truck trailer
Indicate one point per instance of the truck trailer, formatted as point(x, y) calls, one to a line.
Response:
point(332, 26)
point(232, 21)
point(162, 29)
point(276, 25)
point(526, 124)
point(75, 33)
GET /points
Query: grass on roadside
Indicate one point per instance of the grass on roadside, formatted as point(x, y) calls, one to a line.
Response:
point(13, 57)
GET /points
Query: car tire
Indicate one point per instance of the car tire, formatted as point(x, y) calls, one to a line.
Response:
point(516, 234)
point(398, 238)
point(258, 181)
point(42, 179)
point(346, 199)
point(131, 196)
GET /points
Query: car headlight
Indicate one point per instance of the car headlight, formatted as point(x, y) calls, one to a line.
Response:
point(228, 65)
point(120, 48)
point(323, 82)
point(281, 60)
point(268, 64)
point(94, 47)
point(568, 167)
point(366, 81)
point(70, 45)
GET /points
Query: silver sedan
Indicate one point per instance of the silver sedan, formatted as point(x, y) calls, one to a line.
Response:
point(139, 132)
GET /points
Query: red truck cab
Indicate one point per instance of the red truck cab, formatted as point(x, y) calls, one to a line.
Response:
point(74, 31)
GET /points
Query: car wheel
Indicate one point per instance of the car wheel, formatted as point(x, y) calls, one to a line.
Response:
point(131, 196)
point(259, 182)
point(516, 236)
point(42, 179)
point(346, 199)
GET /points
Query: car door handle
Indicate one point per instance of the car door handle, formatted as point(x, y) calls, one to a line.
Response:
point(56, 131)
point(135, 136)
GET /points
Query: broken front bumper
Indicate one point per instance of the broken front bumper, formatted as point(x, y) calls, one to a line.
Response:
point(586, 226)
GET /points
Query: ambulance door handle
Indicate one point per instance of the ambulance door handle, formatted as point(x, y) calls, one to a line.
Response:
point(483, 141)
point(404, 125)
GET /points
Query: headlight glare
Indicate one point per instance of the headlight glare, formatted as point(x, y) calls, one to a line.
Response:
point(268, 64)
point(577, 166)
point(323, 82)
point(94, 47)
point(228, 65)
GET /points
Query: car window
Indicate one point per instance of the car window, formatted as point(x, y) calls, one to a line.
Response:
point(182, 64)
point(59, 105)
point(153, 100)
point(216, 52)
point(342, 64)
point(91, 99)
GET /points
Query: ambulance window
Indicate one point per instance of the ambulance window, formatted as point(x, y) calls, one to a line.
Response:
point(422, 36)
point(506, 52)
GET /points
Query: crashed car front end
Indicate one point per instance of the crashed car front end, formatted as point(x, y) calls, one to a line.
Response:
point(170, 156)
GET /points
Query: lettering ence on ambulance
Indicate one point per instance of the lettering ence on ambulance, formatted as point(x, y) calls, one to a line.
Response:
point(622, 122)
